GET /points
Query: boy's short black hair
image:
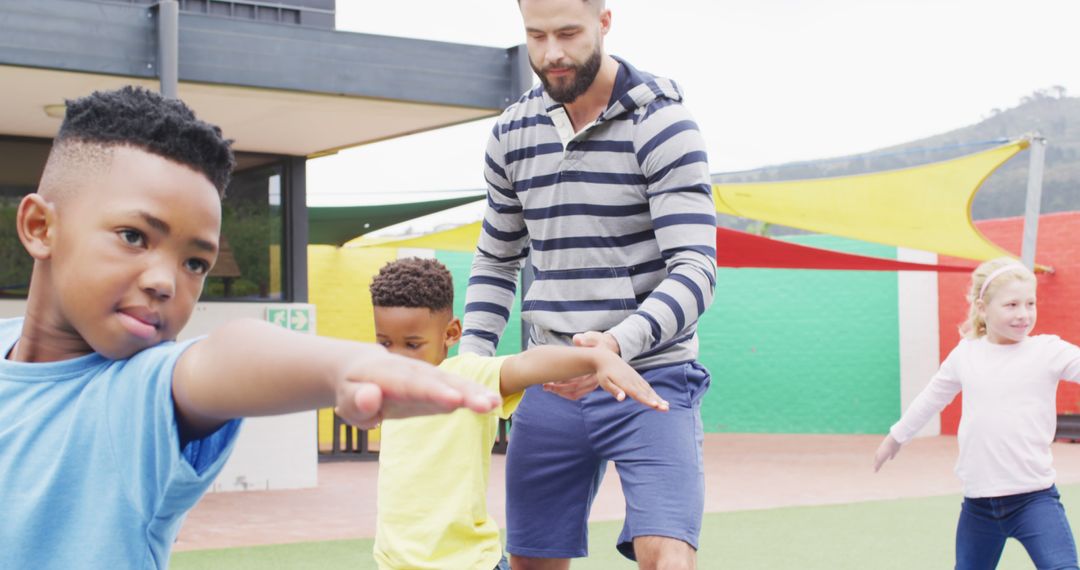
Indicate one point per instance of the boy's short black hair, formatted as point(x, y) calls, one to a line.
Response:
point(137, 117)
point(413, 282)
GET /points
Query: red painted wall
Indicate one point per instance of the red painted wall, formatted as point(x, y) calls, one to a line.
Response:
point(1059, 293)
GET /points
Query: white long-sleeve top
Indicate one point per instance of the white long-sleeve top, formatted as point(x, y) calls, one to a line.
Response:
point(1009, 411)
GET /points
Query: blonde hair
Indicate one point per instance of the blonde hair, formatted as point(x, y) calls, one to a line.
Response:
point(997, 271)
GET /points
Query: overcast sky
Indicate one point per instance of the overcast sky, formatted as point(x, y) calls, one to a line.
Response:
point(768, 81)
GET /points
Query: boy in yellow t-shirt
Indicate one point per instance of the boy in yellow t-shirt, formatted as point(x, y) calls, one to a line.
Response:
point(433, 472)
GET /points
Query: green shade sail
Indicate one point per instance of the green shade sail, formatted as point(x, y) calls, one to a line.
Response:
point(335, 225)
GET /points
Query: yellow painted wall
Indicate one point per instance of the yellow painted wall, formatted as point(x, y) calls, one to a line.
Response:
point(275, 269)
point(338, 281)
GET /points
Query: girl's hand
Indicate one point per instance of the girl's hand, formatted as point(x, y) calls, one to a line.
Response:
point(887, 450)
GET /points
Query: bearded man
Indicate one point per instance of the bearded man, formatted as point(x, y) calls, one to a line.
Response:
point(600, 173)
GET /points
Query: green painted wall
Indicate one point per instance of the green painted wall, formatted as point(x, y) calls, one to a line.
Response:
point(459, 265)
point(790, 351)
point(803, 351)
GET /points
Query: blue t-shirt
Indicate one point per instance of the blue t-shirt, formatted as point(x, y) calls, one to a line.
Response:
point(91, 470)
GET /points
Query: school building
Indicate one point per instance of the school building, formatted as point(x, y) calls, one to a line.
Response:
point(286, 86)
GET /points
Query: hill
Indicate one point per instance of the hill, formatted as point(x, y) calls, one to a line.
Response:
point(1055, 116)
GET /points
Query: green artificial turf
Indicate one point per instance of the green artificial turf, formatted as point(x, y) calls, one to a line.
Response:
point(908, 534)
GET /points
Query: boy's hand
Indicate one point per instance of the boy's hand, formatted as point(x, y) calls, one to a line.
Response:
point(887, 450)
point(621, 380)
point(360, 404)
point(384, 385)
point(576, 388)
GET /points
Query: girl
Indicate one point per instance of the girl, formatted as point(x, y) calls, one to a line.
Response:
point(1009, 383)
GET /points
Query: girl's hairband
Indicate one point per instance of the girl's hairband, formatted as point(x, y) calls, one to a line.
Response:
point(996, 273)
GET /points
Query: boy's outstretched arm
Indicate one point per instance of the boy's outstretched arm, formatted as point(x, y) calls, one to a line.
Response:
point(252, 368)
point(543, 364)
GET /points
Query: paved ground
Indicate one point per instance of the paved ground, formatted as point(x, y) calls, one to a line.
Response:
point(743, 472)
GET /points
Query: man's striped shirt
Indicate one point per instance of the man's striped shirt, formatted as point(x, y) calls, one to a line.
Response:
point(618, 217)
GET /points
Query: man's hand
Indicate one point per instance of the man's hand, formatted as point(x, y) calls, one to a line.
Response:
point(385, 385)
point(574, 388)
point(594, 338)
point(887, 450)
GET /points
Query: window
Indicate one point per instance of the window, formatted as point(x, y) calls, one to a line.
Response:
point(250, 264)
point(21, 163)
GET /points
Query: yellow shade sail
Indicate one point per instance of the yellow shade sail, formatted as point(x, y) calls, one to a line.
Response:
point(462, 238)
point(925, 207)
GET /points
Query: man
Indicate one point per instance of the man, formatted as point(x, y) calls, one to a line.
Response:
point(601, 173)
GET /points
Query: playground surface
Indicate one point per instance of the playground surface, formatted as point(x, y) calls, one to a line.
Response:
point(805, 497)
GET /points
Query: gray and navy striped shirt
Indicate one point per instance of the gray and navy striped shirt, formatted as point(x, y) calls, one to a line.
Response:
point(619, 218)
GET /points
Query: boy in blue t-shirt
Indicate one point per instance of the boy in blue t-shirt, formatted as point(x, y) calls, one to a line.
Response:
point(110, 430)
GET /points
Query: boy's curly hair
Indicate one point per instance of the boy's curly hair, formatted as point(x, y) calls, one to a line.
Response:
point(413, 282)
point(137, 117)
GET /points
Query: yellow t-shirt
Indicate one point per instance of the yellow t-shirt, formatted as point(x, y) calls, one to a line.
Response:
point(433, 476)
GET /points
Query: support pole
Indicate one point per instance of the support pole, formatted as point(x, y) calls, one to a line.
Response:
point(521, 78)
point(168, 25)
point(526, 282)
point(521, 73)
point(1034, 200)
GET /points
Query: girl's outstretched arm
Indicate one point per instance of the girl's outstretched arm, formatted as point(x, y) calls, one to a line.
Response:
point(887, 450)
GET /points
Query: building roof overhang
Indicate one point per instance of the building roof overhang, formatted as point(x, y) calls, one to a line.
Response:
point(272, 88)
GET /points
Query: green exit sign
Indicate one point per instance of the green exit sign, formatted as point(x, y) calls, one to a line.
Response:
point(279, 317)
point(297, 318)
point(300, 319)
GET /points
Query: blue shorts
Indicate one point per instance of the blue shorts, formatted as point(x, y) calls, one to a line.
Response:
point(559, 449)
